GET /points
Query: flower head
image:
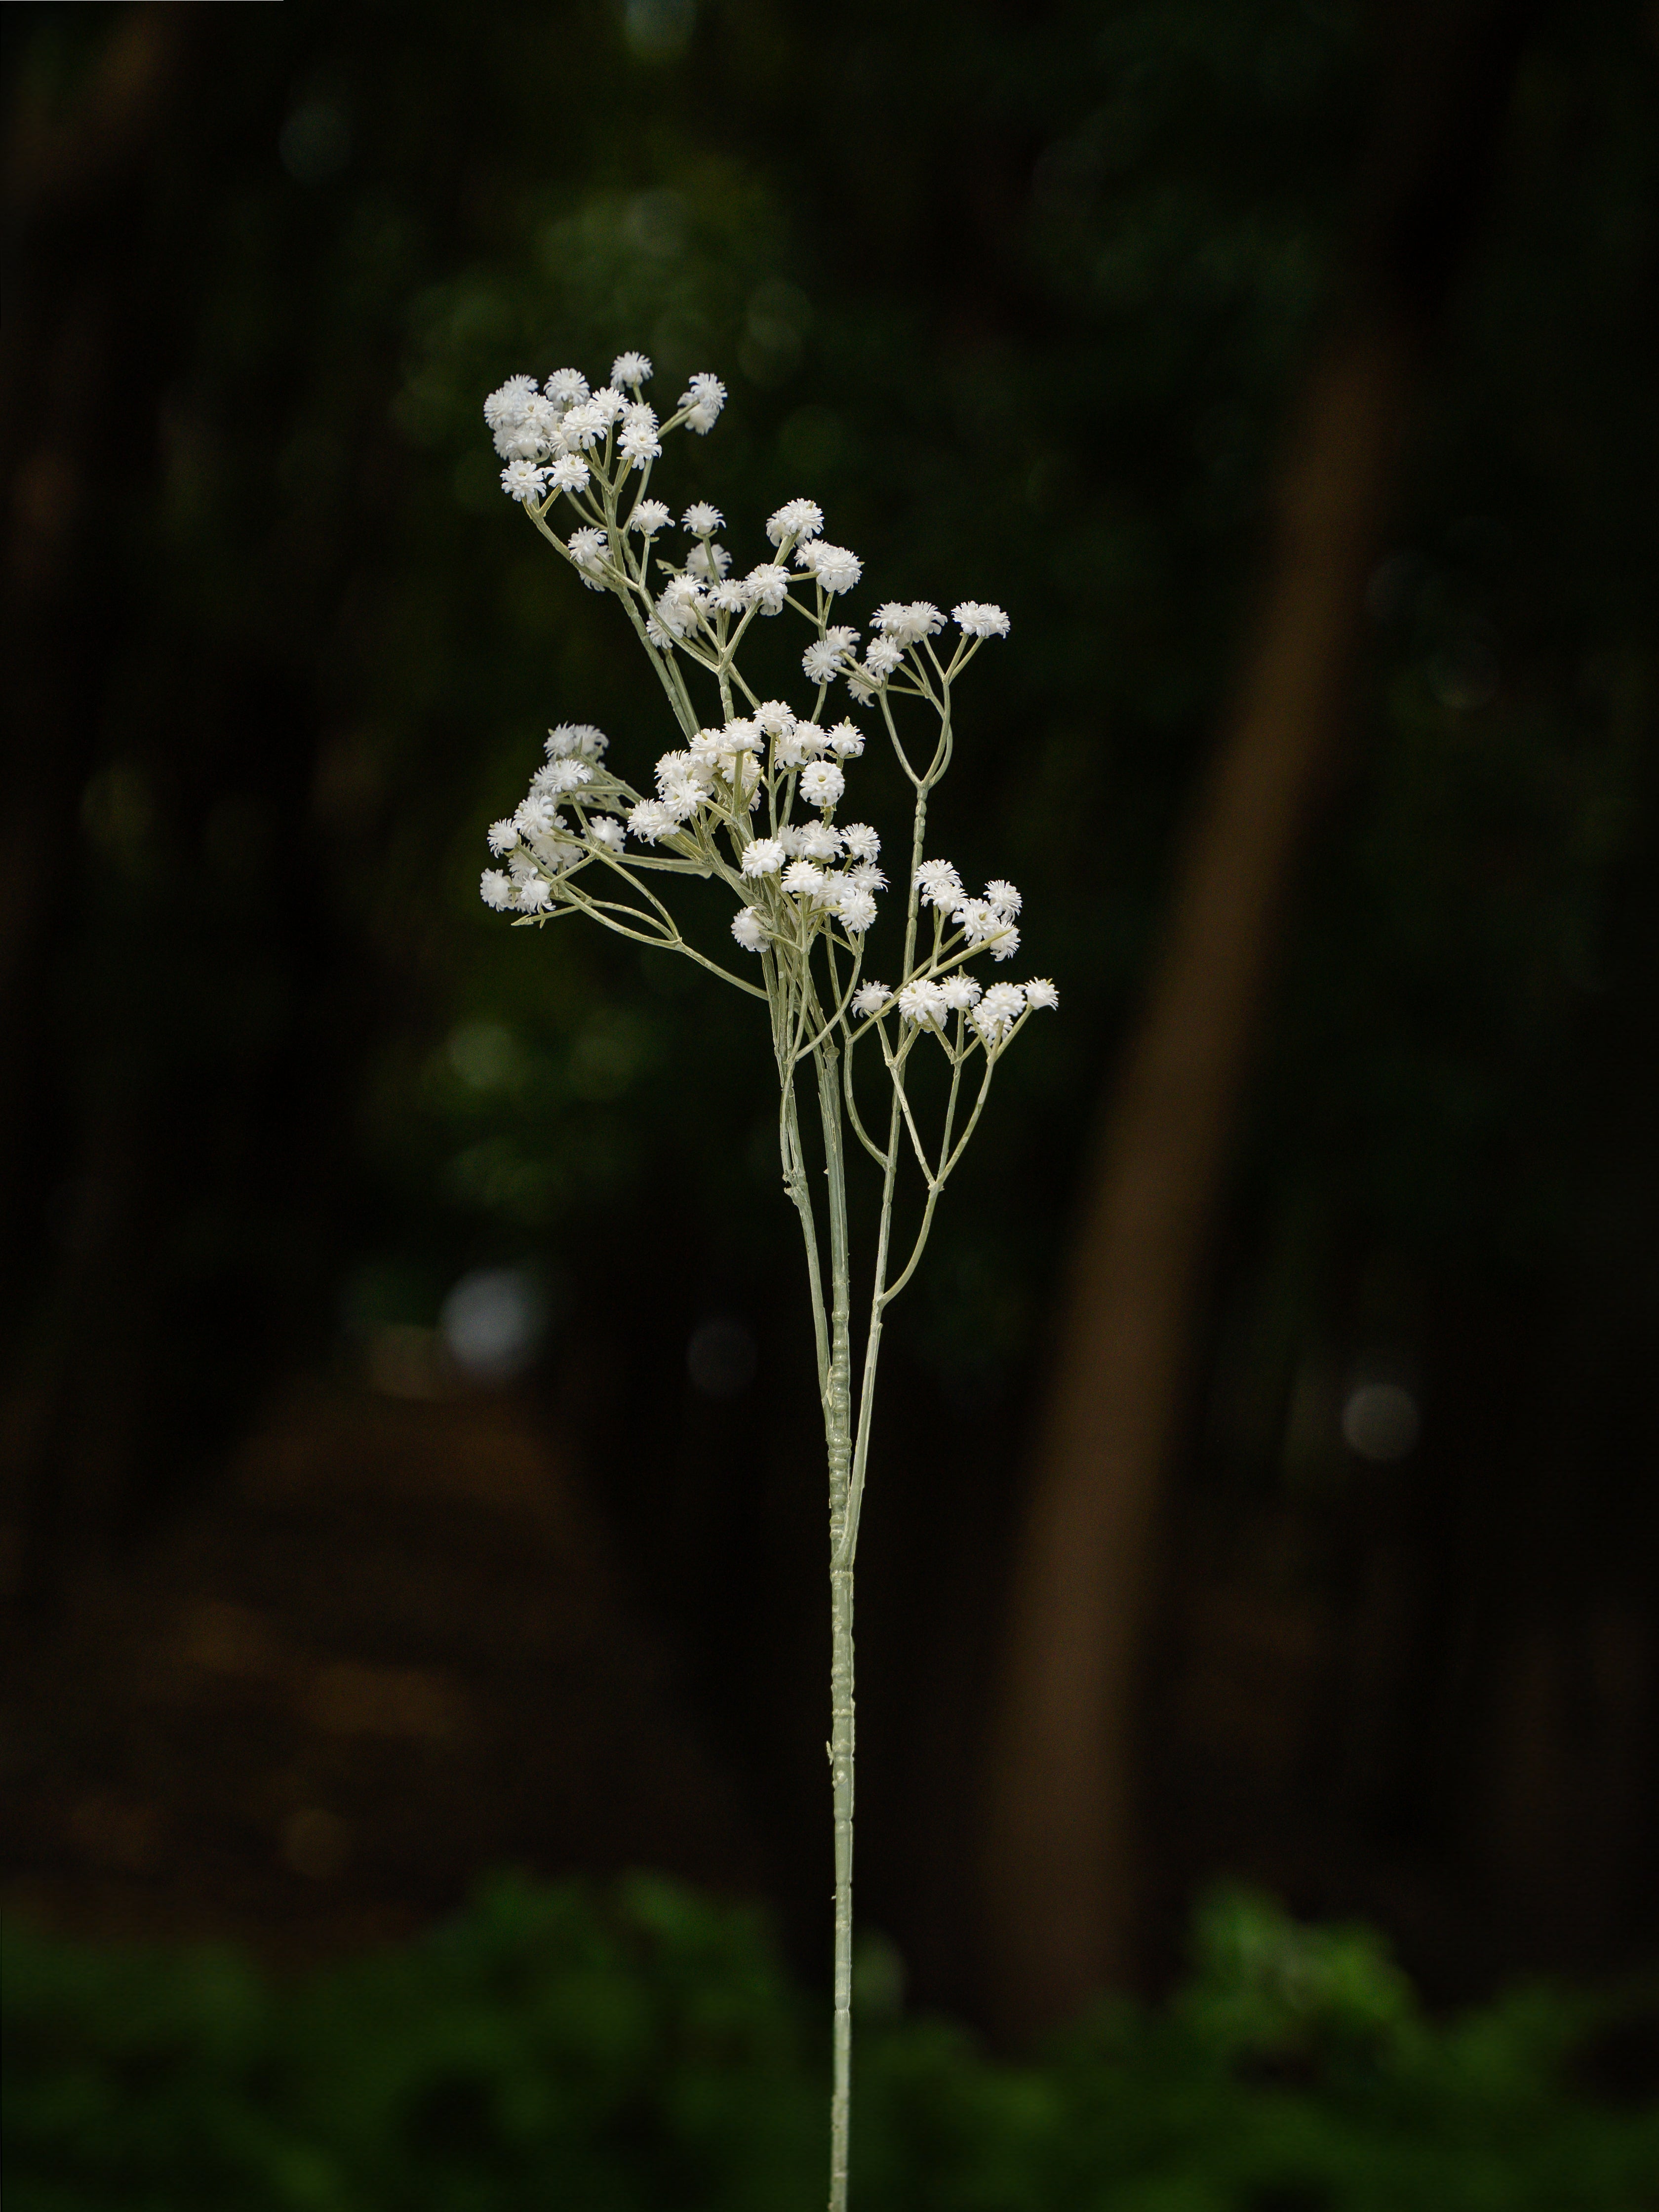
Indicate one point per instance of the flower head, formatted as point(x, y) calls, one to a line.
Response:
point(566, 388)
point(960, 992)
point(1040, 992)
point(578, 737)
point(638, 442)
point(817, 840)
point(799, 519)
point(496, 889)
point(974, 620)
point(869, 998)
point(855, 909)
point(767, 587)
point(860, 841)
point(882, 656)
point(835, 568)
point(803, 877)
point(679, 609)
point(1004, 901)
point(704, 397)
point(649, 516)
point(506, 406)
point(939, 882)
point(560, 776)
point(502, 837)
point(587, 548)
point(749, 929)
point(909, 623)
point(630, 368)
point(702, 520)
point(821, 662)
point(763, 856)
point(845, 741)
point(605, 830)
point(651, 820)
point(568, 473)
point(997, 1011)
point(523, 481)
point(923, 1003)
point(821, 783)
point(708, 562)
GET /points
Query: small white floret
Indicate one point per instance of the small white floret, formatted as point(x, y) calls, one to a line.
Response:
point(860, 841)
point(869, 998)
point(923, 1003)
point(974, 620)
point(820, 663)
point(507, 405)
point(502, 837)
point(649, 516)
point(566, 388)
point(749, 929)
point(799, 519)
point(835, 568)
point(845, 741)
point(1040, 992)
point(802, 877)
point(605, 830)
point(763, 856)
point(580, 738)
point(767, 587)
point(707, 562)
point(821, 783)
point(496, 889)
point(857, 910)
point(1004, 901)
point(568, 473)
point(630, 368)
point(522, 481)
point(939, 882)
point(909, 622)
point(704, 396)
point(702, 520)
point(651, 820)
point(881, 657)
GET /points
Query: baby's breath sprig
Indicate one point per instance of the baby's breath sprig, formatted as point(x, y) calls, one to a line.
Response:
point(752, 797)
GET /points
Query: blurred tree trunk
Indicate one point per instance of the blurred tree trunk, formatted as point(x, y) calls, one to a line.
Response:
point(1062, 1877)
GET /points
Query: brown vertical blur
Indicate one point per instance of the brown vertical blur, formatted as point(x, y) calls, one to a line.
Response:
point(1063, 1883)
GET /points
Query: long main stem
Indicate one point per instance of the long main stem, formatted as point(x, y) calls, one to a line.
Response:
point(838, 1438)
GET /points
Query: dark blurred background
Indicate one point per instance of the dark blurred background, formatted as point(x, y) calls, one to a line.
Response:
point(409, 1432)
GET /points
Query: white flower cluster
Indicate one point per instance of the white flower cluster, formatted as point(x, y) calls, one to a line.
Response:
point(802, 875)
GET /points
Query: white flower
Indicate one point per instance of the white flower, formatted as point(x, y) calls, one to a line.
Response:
point(560, 776)
point(566, 387)
point(749, 929)
point(961, 992)
point(865, 876)
point(775, 717)
point(975, 918)
point(682, 784)
point(630, 368)
point(680, 607)
point(707, 562)
point(797, 746)
point(638, 442)
point(845, 741)
point(579, 738)
point(797, 518)
point(923, 1002)
point(1005, 946)
point(997, 1011)
point(860, 841)
point(821, 783)
point(817, 840)
point(609, 405)
point(649, 516)
point(763, 856)
point(740, 736)
point(881, 657)
point(857, 910)
point(605, 830)
point(502, 837)
point(869, 998)
point(908, 624)
point(820, 662)
point(939, 882)
point(657, 635)
point(537, 817)
point(1040, 992)
point(974, 620)
point(568, 473)
point(835, 568)
point(506, 406)
point(586, 548)
point(523, 482)
point(651, 820)
point(728, 598)
point(496, 889)
point(767, 587)
point(801, 877)
point(533, 895)
point(861, 685)
point(583, 425)
point(1004, 901)
point(532, 434)
point(702, 520)
point(704, 396)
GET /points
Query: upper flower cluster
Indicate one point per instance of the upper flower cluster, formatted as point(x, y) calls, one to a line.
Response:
point(754, 797)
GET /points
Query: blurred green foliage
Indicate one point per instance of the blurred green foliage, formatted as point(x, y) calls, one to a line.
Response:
point(639, 2052)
